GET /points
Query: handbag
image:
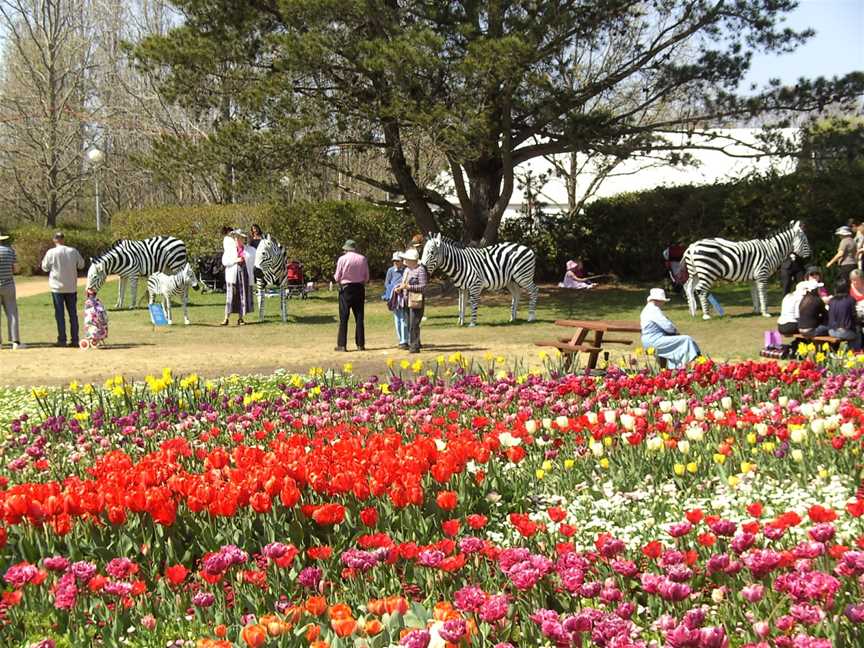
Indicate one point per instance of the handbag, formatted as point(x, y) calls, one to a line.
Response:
point(415, 300)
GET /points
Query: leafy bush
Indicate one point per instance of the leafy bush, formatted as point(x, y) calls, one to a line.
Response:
point(313, 232)
point(199, 227)
point(31, 242)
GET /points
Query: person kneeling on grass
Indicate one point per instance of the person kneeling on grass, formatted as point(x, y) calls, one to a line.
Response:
point(811, 311)
point(842, 323)
point(661, 334)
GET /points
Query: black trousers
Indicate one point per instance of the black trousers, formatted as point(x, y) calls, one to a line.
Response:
point(844, 270)
point(69, 301)
point(415, 317)
point(788, 329)
point(351, 300)
point(791, 272)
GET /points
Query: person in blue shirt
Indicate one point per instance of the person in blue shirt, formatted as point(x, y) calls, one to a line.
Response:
point(659, 333)
point(396, 301)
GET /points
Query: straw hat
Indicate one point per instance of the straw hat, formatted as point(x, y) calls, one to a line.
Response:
point(843, 231)
point(397, 256)
point(240, 233)
point(411, 255)
point(657, 294)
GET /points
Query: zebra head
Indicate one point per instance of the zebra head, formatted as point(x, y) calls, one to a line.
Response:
point(96, 274)
point(187, 276)
point(800, 244)
point(431, 258)
point(267, 250)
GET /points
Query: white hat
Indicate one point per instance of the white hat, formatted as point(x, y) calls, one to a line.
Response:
point(812, 285)
point(411, 255)
point(397, 256)
point(3, 237)
point(657, 294)
point(843, 231)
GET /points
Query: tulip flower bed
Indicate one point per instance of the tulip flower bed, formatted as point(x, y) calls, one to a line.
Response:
point(715, 506)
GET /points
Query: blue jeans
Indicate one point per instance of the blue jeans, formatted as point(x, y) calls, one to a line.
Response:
point(400, 318)
point(69, 301)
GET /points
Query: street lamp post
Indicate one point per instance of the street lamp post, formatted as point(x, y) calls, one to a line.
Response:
point(95, 157)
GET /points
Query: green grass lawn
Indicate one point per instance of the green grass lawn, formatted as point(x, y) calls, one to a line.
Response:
point(307, 339)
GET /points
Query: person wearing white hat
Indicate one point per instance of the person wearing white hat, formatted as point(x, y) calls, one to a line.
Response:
point(787, 323)
point(659, 333)
point(396, 301)
point(413, 287)
point(8, 266)
point(847, 253)
point(239, 263)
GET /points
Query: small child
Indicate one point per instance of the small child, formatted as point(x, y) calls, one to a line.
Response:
point(95, 321)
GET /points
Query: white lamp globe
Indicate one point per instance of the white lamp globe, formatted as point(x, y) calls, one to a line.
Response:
point(95, 155)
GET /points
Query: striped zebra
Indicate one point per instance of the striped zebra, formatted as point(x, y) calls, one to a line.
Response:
point(172, 285)
point(503, 265)
point(132, 259)
point(707, 260)
point(271, 259)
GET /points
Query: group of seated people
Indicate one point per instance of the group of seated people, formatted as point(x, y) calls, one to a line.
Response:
point(811, 311)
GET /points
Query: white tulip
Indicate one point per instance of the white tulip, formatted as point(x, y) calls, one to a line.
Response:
point(667, 418)
point(797, 455)
point(684, 446)
point(797, 435)
point(817, 425)
point(596, 448)
point(654, 443)
point(699, 413)
point(695, 433)
point(848, 429)
point(726, 402)
point(440, 445)
point(783, 401)
point(547, 423)
point(665, 406)
point(609, 416)
point(806, 409)
point(531, 426)
point(507, 440)
point(562, 422)
point(592, 417)
point(718, 415)
point(761, 429)
point(628, 421)
point(680, 406)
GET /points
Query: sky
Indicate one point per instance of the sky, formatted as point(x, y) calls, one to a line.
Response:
point(837, 47)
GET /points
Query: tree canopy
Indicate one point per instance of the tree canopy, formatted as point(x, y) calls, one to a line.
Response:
point(484, 84)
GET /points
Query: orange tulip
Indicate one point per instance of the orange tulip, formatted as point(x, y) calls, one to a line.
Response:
point(393, 604)
point(442, 611)
point(293, 613)
point(316, 605)
point(319, 644)
point(343, 627)
point(376, 607)
point(372, 627)
point(339, 611)
point(220, 631)
point(255, 636)
point(312, 633)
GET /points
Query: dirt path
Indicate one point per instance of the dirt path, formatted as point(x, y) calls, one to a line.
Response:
point(31, 286)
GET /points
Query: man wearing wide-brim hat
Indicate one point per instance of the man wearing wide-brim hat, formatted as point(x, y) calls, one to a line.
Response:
point(847, 253)
point(661, 335)
point(8, 301)
point(352, 275)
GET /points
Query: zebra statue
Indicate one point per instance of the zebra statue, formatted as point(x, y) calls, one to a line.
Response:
point(271, 259)
point(707, 260)
point(132, 259)
point(503, 265)
point(167, 286)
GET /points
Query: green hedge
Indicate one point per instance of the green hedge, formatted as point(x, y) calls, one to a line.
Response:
point(313, 232)
point(31, 242)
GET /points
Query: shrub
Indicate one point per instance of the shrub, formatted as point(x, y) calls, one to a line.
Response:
point(313, 232)
point(31, 242)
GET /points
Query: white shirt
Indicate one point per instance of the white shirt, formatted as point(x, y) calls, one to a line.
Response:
point(230, 260)
point(789, 308)
point(62, 264)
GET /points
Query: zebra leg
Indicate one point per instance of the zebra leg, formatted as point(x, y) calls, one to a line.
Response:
point(763, 299)
point(283, 305)
point(186, 306)
point(461, 307)
point(133, 281)
point(260, 304)
point(121, 292)
point(166, 304)
point(514, 300)
point(690, 296)
point(754, 296)
point(533, 293)
point(474, 298)
point(702, 292)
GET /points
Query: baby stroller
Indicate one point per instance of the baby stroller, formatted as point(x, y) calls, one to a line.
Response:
point(676, 272)
point(211, 272)
point(295, 284)
point(95, 322)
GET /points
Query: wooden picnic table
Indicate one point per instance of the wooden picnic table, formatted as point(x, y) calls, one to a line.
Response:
point(576, 343)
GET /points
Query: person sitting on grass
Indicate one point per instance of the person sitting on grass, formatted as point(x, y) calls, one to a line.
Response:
point(575, 277)
point(842, 323)
point(659, 333)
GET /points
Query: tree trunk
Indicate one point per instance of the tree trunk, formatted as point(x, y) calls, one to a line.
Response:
point(480, 223)
point(402, 172)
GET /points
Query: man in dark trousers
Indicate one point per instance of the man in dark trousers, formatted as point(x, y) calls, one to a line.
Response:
point(352, 275)
point(791, 272)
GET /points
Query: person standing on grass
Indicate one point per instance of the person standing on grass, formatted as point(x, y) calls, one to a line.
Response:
point(396, 300)
point(8, 266)
point(62, 264)
point(847, 254)
point(414, 286)
point(352, 275)
point(239, 262)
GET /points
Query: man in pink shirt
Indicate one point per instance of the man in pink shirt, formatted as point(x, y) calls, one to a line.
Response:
point(352, 275)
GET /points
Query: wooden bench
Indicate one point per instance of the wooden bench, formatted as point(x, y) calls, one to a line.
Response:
point(577, 343)
point(818, 340)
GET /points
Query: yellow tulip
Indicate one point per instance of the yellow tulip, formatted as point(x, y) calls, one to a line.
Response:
point(692, 467)
point(679, 469)
point(604, 463)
